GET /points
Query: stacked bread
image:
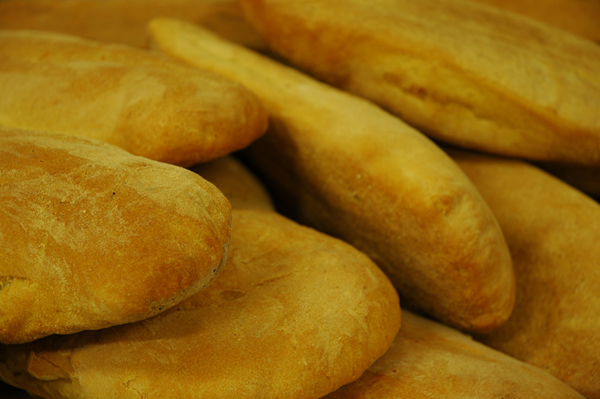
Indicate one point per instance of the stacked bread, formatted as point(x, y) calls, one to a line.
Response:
point(140, 258)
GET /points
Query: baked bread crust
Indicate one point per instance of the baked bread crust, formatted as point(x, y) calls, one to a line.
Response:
point(294, 314)
point(141, 101)
point(462, 72)
point(94, 236)
point(553, 232)
point(430, 360)
point(358, 173)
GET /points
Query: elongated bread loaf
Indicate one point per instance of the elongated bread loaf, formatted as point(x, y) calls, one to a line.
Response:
point(430, 360)
point(359, 173)
point(294, 314)
point(124, 21)
point(462, 72)
point(553, 232)
point(140, 101)
point(93, 236)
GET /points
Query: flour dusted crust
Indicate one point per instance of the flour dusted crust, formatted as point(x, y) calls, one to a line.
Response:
point(462, 72)
point(356, 172)
point(124, 21)
point(293, 314)
point(430, 360)
point(94, 236)
point(553, 232)
point(141, 101)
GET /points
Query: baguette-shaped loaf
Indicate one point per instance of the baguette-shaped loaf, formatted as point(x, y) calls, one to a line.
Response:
point(124, 21)
point(462, 72)
point(138, 100)
point(294, 314)
point(93, 236)
point(553, 232)
point(359, 173)
point(239, 185)
point(430, 360)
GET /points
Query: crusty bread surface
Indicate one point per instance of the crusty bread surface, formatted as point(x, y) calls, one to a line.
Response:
point(553, 232)
point(141, 101)
point(431, 360)
point(465, 73)
point(294, 314)
point(356, 172)
point(93, 236)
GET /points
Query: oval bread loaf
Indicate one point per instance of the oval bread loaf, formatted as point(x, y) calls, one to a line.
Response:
point(553, 232)
point(93, 236)
point(140, 101)
point(356, 172)
point(294, 314)
point(465, 73)
point(430, 360)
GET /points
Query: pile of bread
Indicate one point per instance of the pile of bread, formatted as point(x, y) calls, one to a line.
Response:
point(293, 199)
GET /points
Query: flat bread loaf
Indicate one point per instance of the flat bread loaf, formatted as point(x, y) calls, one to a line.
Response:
point(294, 314)
point(429, 360)
point(553, 232)
point(462, 72)
point(356, 172)
point(141, 101)
point(93, 236)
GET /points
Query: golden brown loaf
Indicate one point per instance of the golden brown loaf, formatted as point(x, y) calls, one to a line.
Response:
point(138, 100)
point(553, 232)
point(294, 314)
point(356, 172)
point(241, 187)
point(429, 360)
point(124, 21)
point(462, 72)
point(93, 236)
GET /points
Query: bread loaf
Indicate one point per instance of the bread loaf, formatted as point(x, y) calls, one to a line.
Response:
point(142, 102)
point(462, 72)
point(356, 172)
point(430, 360)
point(553, 232)
point(93, 236)
point(294, 314)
